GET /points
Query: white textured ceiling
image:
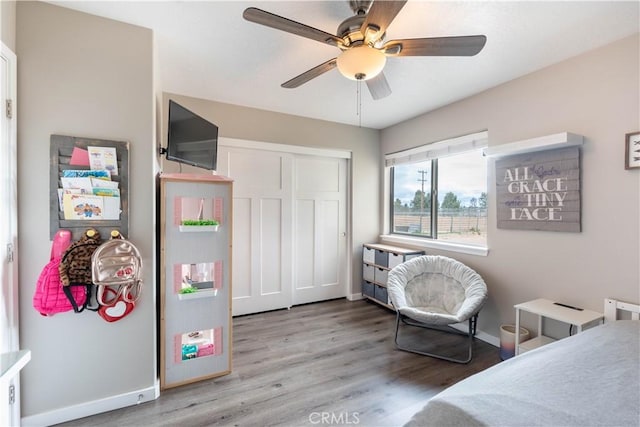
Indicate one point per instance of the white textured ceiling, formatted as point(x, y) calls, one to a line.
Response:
point(207, 50)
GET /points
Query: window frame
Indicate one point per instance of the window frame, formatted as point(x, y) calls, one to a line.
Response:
point(431, 152)
point(434, 207)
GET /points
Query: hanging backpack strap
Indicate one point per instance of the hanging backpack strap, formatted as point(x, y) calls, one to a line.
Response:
point(92, 303)
point(72, 300)
point(132, 292)
point(112, 294)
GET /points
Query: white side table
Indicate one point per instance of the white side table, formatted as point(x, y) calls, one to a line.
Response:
point(545, 308)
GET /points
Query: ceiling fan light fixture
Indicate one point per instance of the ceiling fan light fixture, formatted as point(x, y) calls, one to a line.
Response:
point(361, 62)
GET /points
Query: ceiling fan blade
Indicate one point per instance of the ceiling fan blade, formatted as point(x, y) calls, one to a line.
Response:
point(379, 87)
point(310, 74)
point(436, 46)
point(380, 15)
point(268, 19)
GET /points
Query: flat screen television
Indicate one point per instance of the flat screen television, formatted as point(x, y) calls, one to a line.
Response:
point(192, 140)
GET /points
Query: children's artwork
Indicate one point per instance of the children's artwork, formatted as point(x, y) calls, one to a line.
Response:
point(101, 183)
point(63, 191)
point(103, 158)
point(83, 206)
point(100, 198)
point(83, 183)
point(108, 192)
point(83, 173)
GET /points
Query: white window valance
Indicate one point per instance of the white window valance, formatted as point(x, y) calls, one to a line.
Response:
point(438, 149)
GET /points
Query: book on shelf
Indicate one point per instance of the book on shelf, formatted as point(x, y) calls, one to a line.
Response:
point(89, 195)
point(103, 158)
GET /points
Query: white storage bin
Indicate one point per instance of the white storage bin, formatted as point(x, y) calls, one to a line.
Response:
point(369, 255)
point(368, 273)
point(381, 275)
point(394, 259)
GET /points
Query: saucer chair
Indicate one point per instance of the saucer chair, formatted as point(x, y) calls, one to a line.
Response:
point(436, 292)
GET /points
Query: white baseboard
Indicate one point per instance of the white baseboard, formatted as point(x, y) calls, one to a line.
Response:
point(92, 408)
point(482, 336)
point(355, 297)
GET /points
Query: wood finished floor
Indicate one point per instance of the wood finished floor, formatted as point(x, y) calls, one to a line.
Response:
point(291, 366)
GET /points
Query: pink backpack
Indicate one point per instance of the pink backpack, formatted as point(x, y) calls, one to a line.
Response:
point(49, 297)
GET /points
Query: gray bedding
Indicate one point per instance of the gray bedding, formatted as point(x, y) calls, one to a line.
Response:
point(589, 379)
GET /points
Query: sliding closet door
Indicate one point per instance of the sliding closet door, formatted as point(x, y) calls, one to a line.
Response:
point(289, 225)
point(319, 228)
point(261, 233)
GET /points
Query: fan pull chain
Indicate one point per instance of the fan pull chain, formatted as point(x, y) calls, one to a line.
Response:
point(359, 102)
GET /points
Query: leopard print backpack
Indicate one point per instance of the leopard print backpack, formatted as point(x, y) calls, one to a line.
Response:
point(75, 268)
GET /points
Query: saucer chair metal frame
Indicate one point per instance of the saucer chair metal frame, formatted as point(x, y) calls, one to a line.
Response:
point(441, 292)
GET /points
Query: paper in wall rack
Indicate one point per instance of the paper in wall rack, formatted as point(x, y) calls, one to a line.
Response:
point(89, 185)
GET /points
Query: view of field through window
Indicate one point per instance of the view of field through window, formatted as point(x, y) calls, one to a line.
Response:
point(461, 202)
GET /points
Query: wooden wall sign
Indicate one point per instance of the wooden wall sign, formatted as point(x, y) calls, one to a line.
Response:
point(539, 191)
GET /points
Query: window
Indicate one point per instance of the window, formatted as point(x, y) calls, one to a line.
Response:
point(439, 191)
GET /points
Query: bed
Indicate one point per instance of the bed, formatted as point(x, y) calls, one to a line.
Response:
point(588, 379)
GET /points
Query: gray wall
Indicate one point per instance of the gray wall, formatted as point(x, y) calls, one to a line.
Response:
point(84, 76)
point(8, 23)
point(594, 95)
point(265, 126)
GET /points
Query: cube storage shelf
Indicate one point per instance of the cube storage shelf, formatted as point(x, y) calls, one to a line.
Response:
point(377, 260)
point(195, 327)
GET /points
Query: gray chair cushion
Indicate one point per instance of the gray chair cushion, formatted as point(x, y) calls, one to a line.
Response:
point(436, 290)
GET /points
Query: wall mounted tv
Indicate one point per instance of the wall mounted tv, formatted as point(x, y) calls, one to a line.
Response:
point(192, 140)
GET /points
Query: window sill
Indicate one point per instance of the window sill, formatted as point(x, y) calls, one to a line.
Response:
point(435, 244)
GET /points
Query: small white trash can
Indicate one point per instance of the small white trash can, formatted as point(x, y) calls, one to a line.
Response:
point(508, 340)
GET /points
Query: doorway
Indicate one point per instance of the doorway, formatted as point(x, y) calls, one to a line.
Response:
point(10, 406)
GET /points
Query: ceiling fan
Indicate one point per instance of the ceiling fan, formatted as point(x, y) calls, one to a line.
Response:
point(361, 38)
